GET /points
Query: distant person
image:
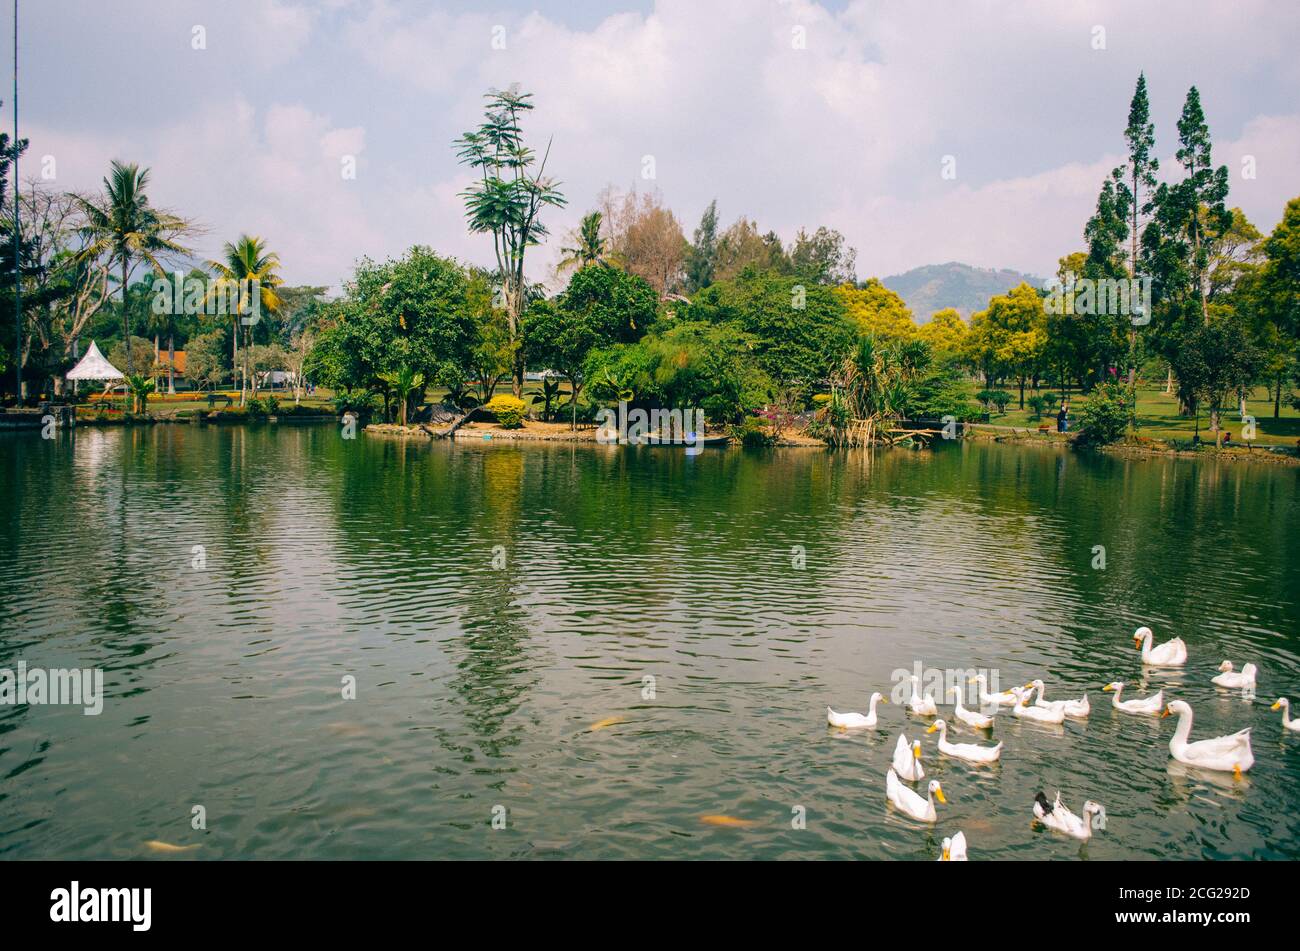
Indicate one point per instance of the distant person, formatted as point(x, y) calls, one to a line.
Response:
point(1063, 418)
point(1227, 437)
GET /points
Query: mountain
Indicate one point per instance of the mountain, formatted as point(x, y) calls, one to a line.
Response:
point(936, 286)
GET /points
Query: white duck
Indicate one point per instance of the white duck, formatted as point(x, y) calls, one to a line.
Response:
point(1071, 708)
point(1146, 707)
point(971, 752)
point(1284, 705)
point(1226, 677)
point(1169, 654)
point(911, 803)
point(1056, 815)
point(954, 849)
point(907, 760)
point(922, 706)
point(1227, 753)
point(1040, 714)
point(969, 717)
point(856, 721)
point(1006, 698)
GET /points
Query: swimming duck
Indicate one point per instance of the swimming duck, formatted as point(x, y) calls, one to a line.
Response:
point(922, 706)
point(1284, 705)
point(1056, 815)
point(1171, 653)
point(1071, 708)
point(1041, 714)
point(1227, 753)
point(971, 752)
point(969, 717)
point(910, 802)
point(1148, 706)
point(1005, 698)
point(856, 721)
point(907, 760)
point(1226, 677)
point(954, 849)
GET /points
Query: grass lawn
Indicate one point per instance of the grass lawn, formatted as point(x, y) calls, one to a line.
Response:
point(1158, 416)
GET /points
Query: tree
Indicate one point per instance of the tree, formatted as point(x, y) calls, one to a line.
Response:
point(877, 311)
point(823, 257)
point(1193, 208)
point(123, 226)
point(801, 332)
point(1274, 298)
point(301, 343)
point(601, 307)
point(205, 359)
point(414, 311)
point(646, 238)
point(492, 353)
point(741, 247)
point(946, 334)
point(1138, 175)
point(703, 254)
point(507, 199)
point(1214, 360)
point(10, 269)
point(247, 270)
point(62, 292)
point(1278, 289)
point(589, 245)
point(1010, 337)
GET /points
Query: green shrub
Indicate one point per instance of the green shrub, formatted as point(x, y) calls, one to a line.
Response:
point(1037, 406)
point(754, 433)
point(362, 404)
point(1103, 418)
point(508, 410)
point(991, 399)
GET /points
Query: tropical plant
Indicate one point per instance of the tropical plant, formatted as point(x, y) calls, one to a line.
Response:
point(121, 225)
point(589, 247)
point(247, 276)
point(139, 385)
point(873, 389)
point(404, 383)
point(506, 201)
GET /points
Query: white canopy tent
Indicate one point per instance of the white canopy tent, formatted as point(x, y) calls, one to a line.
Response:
point(94, 366)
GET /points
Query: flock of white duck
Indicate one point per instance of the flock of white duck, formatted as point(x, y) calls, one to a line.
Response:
point(1226, 753)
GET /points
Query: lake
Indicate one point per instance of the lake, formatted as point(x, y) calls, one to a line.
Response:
point(494, 602)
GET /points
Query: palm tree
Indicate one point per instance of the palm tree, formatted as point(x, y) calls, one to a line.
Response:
point(248, 269)
point(122, 225)
point(591, 246)
point(404, 382)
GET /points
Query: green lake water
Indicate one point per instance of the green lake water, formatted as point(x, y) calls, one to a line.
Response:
point(477, 686)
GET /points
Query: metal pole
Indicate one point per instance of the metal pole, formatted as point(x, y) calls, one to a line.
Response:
point(18, 283)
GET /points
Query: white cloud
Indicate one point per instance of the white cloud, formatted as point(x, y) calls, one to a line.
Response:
point(848, 132)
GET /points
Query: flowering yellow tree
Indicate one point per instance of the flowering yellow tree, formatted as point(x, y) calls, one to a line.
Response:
point(946, 334)
point(877, 311)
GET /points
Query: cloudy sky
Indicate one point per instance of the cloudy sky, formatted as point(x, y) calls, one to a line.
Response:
point(850, 131)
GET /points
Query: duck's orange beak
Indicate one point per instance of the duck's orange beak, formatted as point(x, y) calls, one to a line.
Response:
point(1107, 688)
point(933, 727)
point(938, 794)
point(1166, 713)
point(1276, 706)
point(947, 855)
